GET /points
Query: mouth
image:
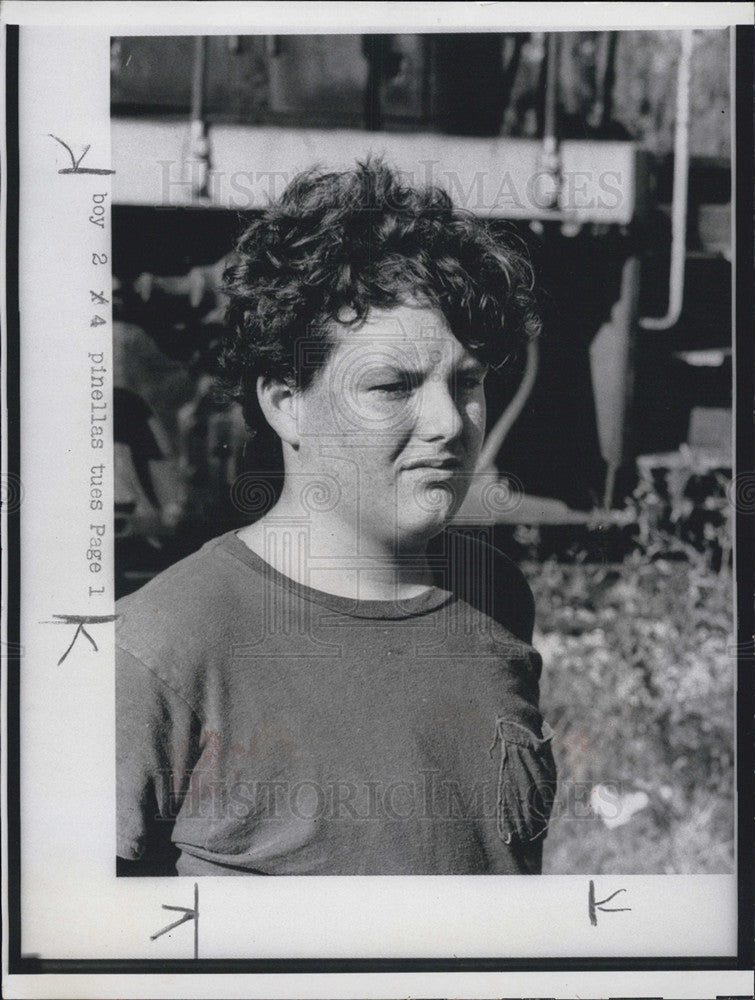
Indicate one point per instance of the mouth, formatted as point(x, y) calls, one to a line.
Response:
point(447, 463)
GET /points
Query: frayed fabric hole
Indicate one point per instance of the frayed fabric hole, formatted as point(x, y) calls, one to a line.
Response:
point(514, 738)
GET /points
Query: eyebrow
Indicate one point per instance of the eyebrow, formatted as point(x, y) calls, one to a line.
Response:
point(464, 367)
point(475, 365)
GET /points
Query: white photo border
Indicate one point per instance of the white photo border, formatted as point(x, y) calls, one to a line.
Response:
point(67, 861)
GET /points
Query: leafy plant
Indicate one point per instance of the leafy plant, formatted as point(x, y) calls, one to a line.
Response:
point(638, 683)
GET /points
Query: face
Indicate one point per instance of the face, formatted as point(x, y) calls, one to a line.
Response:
point(396, 416)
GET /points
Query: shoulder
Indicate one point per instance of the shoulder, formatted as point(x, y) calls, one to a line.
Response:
point(192, 579)
point(489, 580)
point(186, 615)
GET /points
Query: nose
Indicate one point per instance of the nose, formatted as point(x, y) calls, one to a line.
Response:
point(438, 416)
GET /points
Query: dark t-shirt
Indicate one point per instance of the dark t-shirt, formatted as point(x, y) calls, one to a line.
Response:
point(272, 728)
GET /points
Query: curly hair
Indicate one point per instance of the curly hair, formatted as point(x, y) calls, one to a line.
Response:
point(348, 242)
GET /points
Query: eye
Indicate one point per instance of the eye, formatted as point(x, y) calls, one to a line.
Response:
point(401, 387)
point(468, 383)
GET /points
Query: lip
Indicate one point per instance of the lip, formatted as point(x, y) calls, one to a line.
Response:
point(449, 463)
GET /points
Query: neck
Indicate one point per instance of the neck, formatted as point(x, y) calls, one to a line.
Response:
point(325, 552)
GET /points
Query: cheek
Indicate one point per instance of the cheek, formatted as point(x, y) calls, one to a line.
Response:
point(474, 414)
point(363, 417)
point(314, 416)
point(384, 417)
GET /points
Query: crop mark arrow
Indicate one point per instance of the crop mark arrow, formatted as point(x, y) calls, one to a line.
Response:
point(593, 904)
point(188, 914)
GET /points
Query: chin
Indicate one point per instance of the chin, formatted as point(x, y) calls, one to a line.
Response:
point(415, 533)
point(426, 511)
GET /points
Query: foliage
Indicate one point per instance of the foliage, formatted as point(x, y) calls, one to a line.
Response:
point(638, 683)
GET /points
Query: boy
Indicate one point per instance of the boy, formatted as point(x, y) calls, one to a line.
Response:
point(344, 686)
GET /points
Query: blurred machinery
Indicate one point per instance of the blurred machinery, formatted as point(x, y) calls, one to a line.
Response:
point(214, 126)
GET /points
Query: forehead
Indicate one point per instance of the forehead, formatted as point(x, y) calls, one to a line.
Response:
point(412, 336)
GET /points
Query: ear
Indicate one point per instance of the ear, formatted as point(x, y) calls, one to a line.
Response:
point(277, 401)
